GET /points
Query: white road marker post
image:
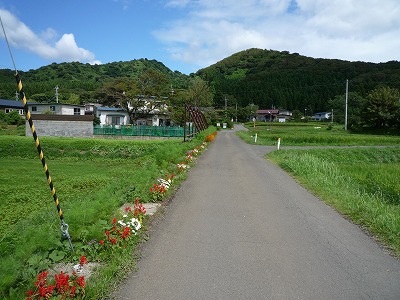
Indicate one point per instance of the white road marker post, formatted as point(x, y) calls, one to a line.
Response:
point(255, 138)
point(279, 142)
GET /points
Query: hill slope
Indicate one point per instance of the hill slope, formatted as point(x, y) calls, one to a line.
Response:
point(77, 78)
point(271, 78)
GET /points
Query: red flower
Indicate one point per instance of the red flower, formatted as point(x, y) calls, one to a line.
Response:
point(72, 292)
point(80, 281)
point(126, 232)
point(62, 282)
point(114, 220)
point(128, 209)
point(83, 260)
point(107, 232)
point(101, 242)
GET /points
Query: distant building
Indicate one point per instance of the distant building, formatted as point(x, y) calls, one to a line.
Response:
point(273, 115)
point(322, 116)
point(56, 109)
point(10, 105)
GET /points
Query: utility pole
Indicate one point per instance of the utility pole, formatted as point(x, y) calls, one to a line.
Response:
point(17, 96)
point(236, 112)
point(345, 111)
point(56, 88)
point(226, 104)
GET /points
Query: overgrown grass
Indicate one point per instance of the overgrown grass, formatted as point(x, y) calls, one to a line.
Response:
point(92, 178)
point(311, 134)
point(362, 184)
point(12, 129)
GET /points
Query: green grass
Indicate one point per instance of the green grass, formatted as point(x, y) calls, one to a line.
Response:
point(311, 134)
point(361, 183)
point(92, 178)
point(12, 129)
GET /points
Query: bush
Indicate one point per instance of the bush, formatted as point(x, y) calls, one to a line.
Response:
point(13, 118)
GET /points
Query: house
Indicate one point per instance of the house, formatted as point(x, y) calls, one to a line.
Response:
point(322, 116)
point(112, 115)
point(284, 115)
point(9, 105)
point(56, 109)
point(273, 115)
point(267, 115)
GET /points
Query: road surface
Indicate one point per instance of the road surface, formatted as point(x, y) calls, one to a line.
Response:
point(241, 228)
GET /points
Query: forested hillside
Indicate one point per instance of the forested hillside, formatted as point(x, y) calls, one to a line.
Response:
point(79, 82)
point(265, 78)
point(271, 78)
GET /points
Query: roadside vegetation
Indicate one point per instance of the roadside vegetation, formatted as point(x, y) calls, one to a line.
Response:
point(93, 178)
point(314, 134)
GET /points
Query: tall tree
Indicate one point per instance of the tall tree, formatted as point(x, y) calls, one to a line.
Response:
point(199, 93)
point(382, 108)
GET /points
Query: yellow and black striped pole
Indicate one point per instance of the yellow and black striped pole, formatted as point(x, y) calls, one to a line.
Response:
point(64, 226)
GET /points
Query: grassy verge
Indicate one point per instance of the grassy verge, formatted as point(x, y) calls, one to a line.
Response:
point(311, 134)
point(92, 178)
point(362, 184)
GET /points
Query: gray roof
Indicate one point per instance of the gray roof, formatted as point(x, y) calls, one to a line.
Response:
point(11, 103)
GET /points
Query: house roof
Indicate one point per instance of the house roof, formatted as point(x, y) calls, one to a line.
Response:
point(11, 103)
point(56, 104)
point(105, 108)
point(267, 111)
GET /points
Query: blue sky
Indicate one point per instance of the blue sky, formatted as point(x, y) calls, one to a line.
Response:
point(187, 35)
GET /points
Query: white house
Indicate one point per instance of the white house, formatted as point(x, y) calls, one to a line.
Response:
point(56, 109)
point(112, 115)
point(322, 116)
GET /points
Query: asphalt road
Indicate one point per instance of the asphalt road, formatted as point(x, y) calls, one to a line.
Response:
point(241, 228)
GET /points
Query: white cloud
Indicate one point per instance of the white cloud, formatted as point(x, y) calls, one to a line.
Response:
point(22, 37)
point(365, 30)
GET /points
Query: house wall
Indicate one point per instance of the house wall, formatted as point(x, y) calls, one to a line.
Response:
point(61, 125)
point(57, 109)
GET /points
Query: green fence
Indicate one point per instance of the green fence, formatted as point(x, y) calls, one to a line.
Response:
point(161, 131)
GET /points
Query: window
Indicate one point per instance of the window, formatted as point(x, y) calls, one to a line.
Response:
point(77, 111)
point(21, 112)
point(8, 110)
point(52, 108)
point(34, 108)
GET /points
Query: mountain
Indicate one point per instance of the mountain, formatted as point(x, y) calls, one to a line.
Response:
point(271, 78)
point(80, 79)
point(266, 78)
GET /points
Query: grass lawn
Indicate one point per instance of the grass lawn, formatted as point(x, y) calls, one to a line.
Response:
point(93, 178)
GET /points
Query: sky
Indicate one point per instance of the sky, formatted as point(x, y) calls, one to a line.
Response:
point(187, 35)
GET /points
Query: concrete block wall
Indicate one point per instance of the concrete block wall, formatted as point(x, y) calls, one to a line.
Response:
point(61, 125)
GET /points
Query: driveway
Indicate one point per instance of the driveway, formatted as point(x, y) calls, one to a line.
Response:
point(241, 228)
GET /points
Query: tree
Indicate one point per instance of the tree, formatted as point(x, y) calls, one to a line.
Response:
point(355, 105)
point(199, 93)
point(382, 108)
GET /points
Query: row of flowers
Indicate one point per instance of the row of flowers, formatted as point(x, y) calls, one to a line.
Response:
point(117, 236)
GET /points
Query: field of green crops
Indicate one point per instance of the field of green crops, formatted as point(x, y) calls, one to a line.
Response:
point(92, 179)
point(311, 134)
point(361, 183)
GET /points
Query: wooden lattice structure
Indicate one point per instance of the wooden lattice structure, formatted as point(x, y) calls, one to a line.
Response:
point(195, 122)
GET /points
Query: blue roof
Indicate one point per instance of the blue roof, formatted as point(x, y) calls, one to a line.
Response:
point(11, 103)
